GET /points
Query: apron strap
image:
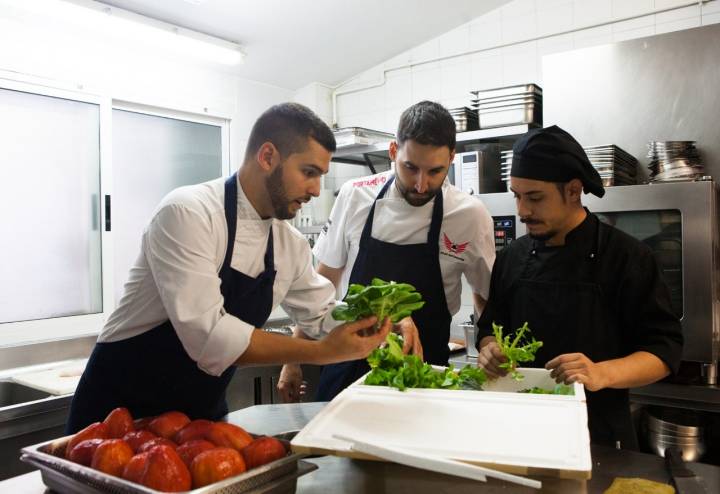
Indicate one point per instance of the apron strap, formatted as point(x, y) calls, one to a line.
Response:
point(433, 238)
point(231, 192)
point(367, 229)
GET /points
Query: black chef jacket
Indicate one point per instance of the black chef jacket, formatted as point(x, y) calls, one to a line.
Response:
point(600, 294)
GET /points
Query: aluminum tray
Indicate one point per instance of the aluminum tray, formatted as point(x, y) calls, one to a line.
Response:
point(67, 477)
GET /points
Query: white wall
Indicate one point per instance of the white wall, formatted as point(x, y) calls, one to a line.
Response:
point(63, 55)
point(511, 41)
point(507, 47)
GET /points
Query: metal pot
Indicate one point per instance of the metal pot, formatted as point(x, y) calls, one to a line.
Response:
point(672, 427)
point(693, 448)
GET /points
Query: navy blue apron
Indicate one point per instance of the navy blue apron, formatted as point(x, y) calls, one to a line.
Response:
point(417, 264)
point(554, 311)
point(151, 373)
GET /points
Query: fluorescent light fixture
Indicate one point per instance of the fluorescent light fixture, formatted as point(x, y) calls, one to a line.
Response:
point(133, 27)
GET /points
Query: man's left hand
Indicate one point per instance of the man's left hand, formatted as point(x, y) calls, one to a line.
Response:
point(576, 367)
point(411, 337)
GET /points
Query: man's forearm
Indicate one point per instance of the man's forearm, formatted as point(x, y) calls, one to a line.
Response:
point(268, 348)
point(637, 369)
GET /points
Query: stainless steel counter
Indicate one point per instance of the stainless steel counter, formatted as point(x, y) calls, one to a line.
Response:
point(355, 477)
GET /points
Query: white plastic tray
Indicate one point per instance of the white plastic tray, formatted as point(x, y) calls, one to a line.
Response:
point(515, 432)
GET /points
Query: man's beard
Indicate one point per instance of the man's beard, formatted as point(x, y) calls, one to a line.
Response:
point(278, 195)
point(414, 198)
point(541, 237)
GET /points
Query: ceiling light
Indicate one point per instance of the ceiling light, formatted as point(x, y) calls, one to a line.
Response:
point(134, 28)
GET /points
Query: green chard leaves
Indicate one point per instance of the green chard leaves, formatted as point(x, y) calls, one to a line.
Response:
point(381, 299)
point(391, 368)
point(516, 349)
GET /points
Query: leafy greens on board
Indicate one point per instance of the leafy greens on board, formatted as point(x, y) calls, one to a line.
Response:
point(559, 389)
point(517, 349)
point(391, 368)
point(379, 298)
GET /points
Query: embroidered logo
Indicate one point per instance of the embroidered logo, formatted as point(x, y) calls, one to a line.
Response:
point(454, 247)
point(370, 182)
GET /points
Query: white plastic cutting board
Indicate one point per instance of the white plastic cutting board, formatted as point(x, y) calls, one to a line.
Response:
point(524, 433)
point(58, 381)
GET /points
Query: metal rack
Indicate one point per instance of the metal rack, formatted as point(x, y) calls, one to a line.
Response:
point(359, 146)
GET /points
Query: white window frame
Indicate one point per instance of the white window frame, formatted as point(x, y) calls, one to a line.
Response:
point(58, 328)
point(217, 120)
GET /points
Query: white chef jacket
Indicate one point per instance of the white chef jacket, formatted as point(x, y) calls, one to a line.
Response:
point(467, 245)
point(176, 276)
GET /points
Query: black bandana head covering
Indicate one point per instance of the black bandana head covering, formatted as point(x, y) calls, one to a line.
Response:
point(553, 155)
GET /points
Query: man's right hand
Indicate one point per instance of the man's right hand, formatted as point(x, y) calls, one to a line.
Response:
point(490, 357)
point(290, 385)
point(353, 340)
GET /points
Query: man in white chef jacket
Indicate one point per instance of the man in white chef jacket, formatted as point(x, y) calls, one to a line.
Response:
point(216, 258)
point(408, 225)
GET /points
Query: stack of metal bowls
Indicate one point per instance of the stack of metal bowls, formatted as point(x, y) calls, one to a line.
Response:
point(615, 166)
point(505, 166)
point(466, 119)
point(511, 105)
point(673, 427)
point(672, 161)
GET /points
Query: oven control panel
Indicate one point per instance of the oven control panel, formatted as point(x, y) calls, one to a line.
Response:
point(504, 227)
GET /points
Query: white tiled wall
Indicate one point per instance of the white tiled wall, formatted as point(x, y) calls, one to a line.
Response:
point(513, 40)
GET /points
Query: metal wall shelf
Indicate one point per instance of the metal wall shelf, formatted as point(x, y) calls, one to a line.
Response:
point(496, 132)
point(375, 154)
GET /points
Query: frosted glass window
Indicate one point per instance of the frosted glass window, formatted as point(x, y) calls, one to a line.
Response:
point(151, 156)
point(50, 250)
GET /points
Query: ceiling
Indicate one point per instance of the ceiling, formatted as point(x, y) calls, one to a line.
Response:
point(291, 43)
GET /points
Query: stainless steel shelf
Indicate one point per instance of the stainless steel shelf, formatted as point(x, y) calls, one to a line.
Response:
point(688, 396)
point(479, 135)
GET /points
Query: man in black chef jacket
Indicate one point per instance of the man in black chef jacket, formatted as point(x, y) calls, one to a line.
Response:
point(591, 293)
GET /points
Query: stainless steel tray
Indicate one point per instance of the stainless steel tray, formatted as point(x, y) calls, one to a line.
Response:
point(510, 102)
point(507, 91)
point(360, 136)
point(67, 477)
point(523, 114)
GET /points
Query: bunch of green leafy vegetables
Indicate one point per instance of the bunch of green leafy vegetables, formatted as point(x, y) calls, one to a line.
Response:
point(559, 389)
point(391, 368)
point(379, 298)
point(516, 349)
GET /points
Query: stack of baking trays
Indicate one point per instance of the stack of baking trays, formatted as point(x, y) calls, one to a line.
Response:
point(511, 105)
point(615, 166)
point(505, 166)
point(672, 161)
point(465, 119)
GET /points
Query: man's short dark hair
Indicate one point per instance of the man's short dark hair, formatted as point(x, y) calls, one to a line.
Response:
point(288, 126)
point(427, 122)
